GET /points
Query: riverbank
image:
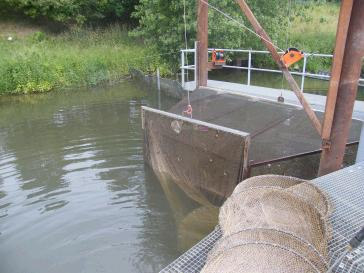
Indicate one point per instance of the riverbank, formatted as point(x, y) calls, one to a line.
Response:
point(33, 61)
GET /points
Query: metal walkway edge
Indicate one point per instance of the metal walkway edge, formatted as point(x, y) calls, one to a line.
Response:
point(345, 189)
point(317, 102)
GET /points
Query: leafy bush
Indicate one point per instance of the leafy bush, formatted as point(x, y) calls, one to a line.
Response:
point(161, 24)
point(71, 12)
point(79, 57)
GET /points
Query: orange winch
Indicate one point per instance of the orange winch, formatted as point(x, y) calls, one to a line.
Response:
point(218, 57)
point(291, 56)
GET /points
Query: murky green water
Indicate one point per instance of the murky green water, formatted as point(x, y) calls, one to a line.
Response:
point(75, 195)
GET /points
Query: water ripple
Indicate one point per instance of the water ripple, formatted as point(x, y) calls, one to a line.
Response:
point(74, 195)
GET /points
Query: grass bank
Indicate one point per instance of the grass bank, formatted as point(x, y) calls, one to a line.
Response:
point(314, 31)
point(32, 61)
point(37, 61)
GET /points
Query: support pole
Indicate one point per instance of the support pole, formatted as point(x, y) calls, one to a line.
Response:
point(277, 58)
point(202, 38)
point(332, 158)
point(196, 65)
point(341, 36)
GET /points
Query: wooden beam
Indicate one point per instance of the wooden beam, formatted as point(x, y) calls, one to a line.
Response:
point(277, 58)
point(202, 38)
point(332, 159)
point(341, 35)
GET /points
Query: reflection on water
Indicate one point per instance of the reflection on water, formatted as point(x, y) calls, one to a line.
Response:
point(75, 195)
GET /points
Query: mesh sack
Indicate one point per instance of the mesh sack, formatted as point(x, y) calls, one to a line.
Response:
point(271, 236)
point(257, 257)
point(277, 181)
point(243, 210)
point(302, 188)
point(277, 209)
point(313, 195)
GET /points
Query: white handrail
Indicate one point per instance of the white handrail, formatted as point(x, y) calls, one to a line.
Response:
point(250, 68)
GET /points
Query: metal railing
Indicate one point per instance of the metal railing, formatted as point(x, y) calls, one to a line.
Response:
point(185, 66)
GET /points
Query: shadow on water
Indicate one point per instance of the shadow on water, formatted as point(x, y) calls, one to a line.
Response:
point(75, 195)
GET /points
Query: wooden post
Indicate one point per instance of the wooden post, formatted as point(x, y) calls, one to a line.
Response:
point(332, 158)
point(341, 36)
point(202, 38)
point(277, 58)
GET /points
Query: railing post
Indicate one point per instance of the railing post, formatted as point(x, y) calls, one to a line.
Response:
point(196, 68)
point(249, 65)
point(360, 153)
point(159, 88)
point(303, 73)
point(183, 68)
point(158, 79)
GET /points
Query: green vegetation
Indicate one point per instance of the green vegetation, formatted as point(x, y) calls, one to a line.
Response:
point(72, 12)
point(39, 62)
point(161, 23)
point(307, 25)
point(313, 30)
point(71, 53)
point(314, 26)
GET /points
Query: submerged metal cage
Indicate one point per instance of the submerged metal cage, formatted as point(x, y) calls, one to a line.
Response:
point(230, 138)
point(206, 160)
point(345, 189)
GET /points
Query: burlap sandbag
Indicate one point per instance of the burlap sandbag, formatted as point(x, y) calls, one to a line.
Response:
point(256, 257)
point(271, 236)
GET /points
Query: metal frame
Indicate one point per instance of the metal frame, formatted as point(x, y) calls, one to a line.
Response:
point(252, 164)
point(193, 121)
point(267, 41)
point(250, 68)
point(340, 101)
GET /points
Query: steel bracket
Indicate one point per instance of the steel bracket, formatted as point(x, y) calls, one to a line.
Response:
point(326, 144)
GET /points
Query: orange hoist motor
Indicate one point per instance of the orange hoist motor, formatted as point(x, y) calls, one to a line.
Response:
point(218, 57)
point(291, 56)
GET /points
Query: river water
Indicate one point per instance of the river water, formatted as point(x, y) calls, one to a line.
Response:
point(75, 194)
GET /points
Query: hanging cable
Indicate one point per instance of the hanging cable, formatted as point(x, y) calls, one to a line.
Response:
point(241, 24)
point(188, 110)
point(289, 7)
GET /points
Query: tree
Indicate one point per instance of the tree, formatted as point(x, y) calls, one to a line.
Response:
point(161, 24)
point(74, 12)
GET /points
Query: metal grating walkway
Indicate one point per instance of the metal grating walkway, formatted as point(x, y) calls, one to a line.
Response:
point(345, 189)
